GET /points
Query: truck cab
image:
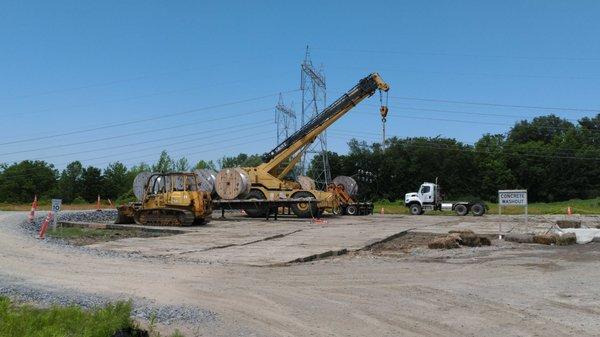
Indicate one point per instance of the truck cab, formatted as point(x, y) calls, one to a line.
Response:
point(429, 198)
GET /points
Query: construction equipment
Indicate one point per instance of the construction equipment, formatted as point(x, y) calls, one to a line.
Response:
point(429, 198)
point(268, 181)
point(167, 199)
point(346, 189)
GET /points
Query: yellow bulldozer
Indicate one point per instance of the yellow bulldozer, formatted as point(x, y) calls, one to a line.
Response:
point(167, 199)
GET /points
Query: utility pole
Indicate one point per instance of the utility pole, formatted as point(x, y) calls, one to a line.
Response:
point(285, 118)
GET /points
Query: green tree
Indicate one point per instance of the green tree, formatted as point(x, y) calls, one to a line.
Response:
point(69, 183)
point(202, 164)
point(242, 160)
point(182, 165)
point(91, 183)
point(116, 180)
point(19, 182)
point(164, 163)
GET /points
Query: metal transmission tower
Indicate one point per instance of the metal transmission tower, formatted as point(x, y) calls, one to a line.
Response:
point(285, 118)
point(314, 99)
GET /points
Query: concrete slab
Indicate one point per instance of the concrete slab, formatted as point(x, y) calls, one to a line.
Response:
point(240, 240)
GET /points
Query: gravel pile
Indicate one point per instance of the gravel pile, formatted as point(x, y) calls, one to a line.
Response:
point(165, 314)
point(82, 216)
point(89, 216)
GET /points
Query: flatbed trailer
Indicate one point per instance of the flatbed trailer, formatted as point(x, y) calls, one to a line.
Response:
point(270, 207)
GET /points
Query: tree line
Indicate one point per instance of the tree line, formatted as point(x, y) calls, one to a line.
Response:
point(553, 158)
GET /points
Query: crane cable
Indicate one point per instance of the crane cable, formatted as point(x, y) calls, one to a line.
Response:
point(383, 110)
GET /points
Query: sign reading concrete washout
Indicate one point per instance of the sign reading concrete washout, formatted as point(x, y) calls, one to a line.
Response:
point(511, 198)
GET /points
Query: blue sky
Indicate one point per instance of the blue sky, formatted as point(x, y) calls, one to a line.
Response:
point(71, 66)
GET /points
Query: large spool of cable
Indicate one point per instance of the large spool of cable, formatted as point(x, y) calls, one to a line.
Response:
point(207, 179)
point(232, 183)
point(139, 184)
point(307, 183)
point(348, 183)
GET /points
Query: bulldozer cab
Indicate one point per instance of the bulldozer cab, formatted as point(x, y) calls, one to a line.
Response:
point(171, 182)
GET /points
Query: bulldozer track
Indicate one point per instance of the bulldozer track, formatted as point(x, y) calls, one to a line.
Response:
point(164, 217)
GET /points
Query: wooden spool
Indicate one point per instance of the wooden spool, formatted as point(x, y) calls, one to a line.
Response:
point(232, 183)
point(306, 183)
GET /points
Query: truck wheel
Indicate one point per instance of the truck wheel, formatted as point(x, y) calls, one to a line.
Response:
point(351, 210)
point(305, 209)
point(461, 209)
point(477, 209)
point(415, 209)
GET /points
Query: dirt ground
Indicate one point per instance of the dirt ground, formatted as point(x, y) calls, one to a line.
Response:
point(396, 288)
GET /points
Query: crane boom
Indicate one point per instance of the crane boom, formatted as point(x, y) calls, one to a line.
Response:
point(308, 133)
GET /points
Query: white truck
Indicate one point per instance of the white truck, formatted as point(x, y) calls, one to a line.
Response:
point(429, 198)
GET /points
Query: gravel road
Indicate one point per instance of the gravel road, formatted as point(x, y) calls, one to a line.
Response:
point(511, 290)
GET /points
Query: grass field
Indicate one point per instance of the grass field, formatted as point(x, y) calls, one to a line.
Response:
point(590, 206)
point(85, 236)
point(29, 321)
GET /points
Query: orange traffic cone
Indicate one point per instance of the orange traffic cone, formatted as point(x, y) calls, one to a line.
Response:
point(34, 206)
point(44, 225)
point(569, 211)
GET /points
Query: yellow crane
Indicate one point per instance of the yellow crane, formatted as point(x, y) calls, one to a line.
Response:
point(268, 180)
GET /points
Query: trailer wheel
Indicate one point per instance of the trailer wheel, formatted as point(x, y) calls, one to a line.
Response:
point(415, 209)
point(256, 211)
point(305, 209)
point(351, 210)
point(478, 209)
point(461, 209)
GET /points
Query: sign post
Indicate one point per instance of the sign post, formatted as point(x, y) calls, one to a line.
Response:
point(512, 198)
point(56, 204)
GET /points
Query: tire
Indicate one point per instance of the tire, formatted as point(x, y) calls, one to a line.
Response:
point(478, 209)
point(461, 209)
point(337, 210)
point(258, 211)
point(415, 209)
point(352, 210)
point(305, 209)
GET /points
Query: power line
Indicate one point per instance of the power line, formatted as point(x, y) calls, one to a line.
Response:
point(475, 150)
point(496, 104)
point(260, 124)
point(129, 134)
point(420, 53)
point(124, 99)
point(146, 119)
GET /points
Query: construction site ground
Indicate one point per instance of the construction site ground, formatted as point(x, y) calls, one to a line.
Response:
point(355, 276)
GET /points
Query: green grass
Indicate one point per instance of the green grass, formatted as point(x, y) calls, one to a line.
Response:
point(28, 321)
point(589, 206)
point(69, 321)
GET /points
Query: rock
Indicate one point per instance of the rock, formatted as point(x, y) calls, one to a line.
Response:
point(520, 238)
point(447, 242)
point(474, 240)
point(566, 239)
point(461, 231)
point(568, 223)
point(545, 239)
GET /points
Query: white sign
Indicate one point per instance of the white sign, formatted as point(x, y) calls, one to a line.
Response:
point(56, 204)
point(512, 197)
